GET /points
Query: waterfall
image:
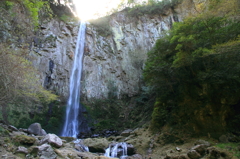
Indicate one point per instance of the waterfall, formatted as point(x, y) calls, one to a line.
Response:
point(117, 150)
point(72, 123)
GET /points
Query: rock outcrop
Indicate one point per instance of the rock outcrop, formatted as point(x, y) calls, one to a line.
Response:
point(113, 62)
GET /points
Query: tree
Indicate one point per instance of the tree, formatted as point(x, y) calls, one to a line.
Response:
point(196, 66)
point(18, 78)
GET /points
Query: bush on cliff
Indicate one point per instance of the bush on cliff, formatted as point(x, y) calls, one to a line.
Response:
point(19, 85)
point(195, 72)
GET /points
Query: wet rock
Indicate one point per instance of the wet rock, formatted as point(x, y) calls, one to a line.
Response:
point(96, 144)
point(193, 154)
point(178, 149)
point(79, 146)
point(52, 139)
point(36, 129)
point(120, 149)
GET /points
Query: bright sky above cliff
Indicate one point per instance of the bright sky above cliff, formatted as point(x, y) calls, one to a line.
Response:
point(87, 9)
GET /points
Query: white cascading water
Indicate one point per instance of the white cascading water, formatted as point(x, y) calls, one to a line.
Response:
point(117, 150)
point(71, 125)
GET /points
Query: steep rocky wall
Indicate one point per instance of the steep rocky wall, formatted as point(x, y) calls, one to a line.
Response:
point(113, 65)
point(53, 51)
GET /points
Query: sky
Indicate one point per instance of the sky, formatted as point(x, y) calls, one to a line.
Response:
point(88, 8)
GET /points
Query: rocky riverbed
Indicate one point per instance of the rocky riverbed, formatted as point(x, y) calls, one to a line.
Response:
point(35, 143)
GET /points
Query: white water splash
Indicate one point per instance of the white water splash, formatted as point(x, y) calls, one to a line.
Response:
point(81, 145)
point(117, 150)
point(71, 126)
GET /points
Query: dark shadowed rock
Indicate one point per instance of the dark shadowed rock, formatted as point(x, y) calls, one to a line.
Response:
point(193, 154)
point(12, 128)
point(201, 149)
point(213, 153)
point(36, 129)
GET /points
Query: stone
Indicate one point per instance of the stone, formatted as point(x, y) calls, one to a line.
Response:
point(45, 151)
point(178, 149)
point(79, 146)
point(103, 157)
point(12, 128)
point(96, 144)
point(201, 149)
point(87, 155)
point(199, 142)
point(213, 153)
point(23, 139)
point(52, 139)
point(22, 149)
point(36, 129)
point(126, 133)
point(135, 156)
point(193, 154)
point(223, 139)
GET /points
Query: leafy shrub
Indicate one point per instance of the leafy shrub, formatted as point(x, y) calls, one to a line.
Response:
point(152, 7)
point(193, 62)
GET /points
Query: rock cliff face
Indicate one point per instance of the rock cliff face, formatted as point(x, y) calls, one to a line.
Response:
point(112, 64)
point(53, 52)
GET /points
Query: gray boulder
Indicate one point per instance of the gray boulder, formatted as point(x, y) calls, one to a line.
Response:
point(22, 149)
point(45, 151)
point(126, 133)
point(36, 129)
point(96, 145)
point(52, 139)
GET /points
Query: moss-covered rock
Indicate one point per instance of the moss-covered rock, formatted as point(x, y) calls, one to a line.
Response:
point(23, 139)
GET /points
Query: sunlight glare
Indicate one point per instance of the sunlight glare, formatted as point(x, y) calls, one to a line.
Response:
point(87, 9)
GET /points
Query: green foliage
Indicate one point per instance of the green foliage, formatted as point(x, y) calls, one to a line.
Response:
point(20, 89)
point(102, 26)
point(8, 5)
point(232, 147)
point(50, 117)
point(198, 57)
point(64, 18)
point(33, 7)
point(152, 7)
point(105, 112)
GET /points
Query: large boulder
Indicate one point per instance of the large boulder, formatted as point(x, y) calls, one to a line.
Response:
point(96, 144)
point(52, 139)
point(44, 151)
point(36, 129)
